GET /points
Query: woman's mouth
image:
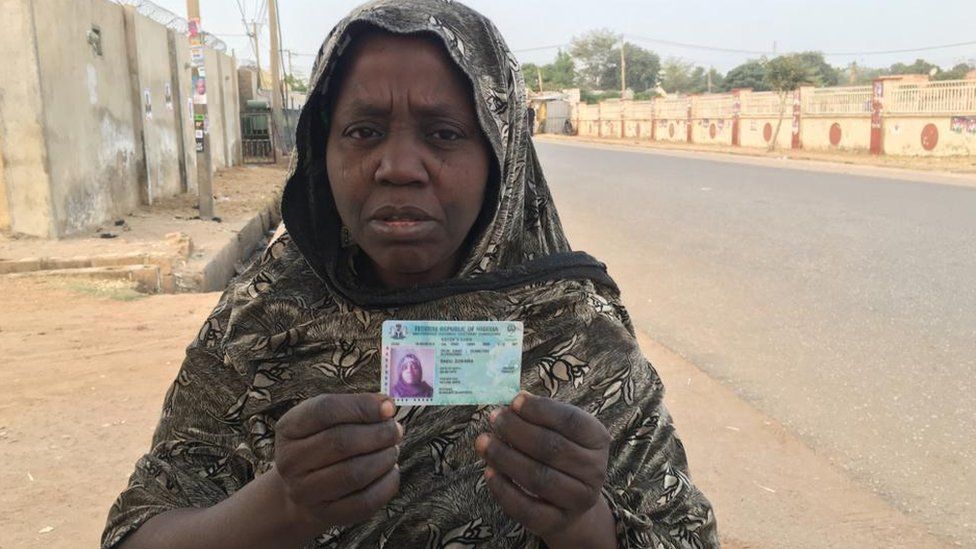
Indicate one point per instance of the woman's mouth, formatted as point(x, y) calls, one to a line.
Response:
point(406, 223)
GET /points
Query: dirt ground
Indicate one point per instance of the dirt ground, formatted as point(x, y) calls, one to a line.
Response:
point(240, 192)
point(85, 368)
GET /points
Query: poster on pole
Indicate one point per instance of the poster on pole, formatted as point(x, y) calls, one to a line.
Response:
point(168, 96)
point(199, 90)
point(198, 127)
point(147, 103)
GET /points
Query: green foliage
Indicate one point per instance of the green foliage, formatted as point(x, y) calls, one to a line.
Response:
point(591, 97)
point(558, 75)
point(856, 75)
point(750, 74)
point(296, 83)
point(642, 68)
point(594, 53)
point(920, 66)
point(957, 72)
point(561, 73)
point(788, 72)
point(821, 73)
point(679, 76)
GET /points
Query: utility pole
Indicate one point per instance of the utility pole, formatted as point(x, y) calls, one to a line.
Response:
point(201, 128)
point(710, 79)
point(257, 50)
point(538, 74)
point(276, 113)
point(288, 80)
point(623, 69)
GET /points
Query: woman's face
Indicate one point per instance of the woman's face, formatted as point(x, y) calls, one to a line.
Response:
point(410, 371)
point(406, 158)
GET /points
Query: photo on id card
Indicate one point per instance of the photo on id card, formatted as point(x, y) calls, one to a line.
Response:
point(443, 363)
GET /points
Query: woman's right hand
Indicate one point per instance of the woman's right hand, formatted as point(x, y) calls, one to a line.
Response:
point(336, 456)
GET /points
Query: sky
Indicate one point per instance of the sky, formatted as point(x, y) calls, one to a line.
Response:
point(533, 28)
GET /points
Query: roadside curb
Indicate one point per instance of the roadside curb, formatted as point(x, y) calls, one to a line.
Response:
point(217, 270)
point(177, 271)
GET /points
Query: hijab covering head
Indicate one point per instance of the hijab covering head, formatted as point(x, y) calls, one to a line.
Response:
point(419, 388)
point(298, 324)
point(518, 235)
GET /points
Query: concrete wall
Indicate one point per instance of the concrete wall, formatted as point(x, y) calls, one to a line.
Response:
point(854, 132)
point(927, 136)
point(673, 130)
point(183, 105)
point(702, 130)
point(215, 109)
point(26, 202)
point(232, 110)
point(93, 155)
point(753, 131)
point(247, 83)
point(77, 147)
point(161, 132)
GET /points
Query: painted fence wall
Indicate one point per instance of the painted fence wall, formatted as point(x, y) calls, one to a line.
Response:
point(936, 118)
point(910, 116)
point(94, 114)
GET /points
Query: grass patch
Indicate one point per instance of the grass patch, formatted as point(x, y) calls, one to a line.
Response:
point(106, 289)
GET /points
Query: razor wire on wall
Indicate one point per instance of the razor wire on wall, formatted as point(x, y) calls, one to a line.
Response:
point(171, 21)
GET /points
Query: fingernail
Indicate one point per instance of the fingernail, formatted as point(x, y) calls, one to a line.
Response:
point(481, 443)
point(400, 429)
point(489, 472)
point(519, 400)
point(494, 415)
point(386, 409)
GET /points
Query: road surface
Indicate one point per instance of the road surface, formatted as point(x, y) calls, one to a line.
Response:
point(842, 305)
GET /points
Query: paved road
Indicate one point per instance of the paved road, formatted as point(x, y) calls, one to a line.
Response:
point(843, 306)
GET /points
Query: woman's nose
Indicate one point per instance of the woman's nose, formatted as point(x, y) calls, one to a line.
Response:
point(401, 162)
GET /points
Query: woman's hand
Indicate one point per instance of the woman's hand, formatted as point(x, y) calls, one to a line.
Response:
point(546, 465)
point(336, 456)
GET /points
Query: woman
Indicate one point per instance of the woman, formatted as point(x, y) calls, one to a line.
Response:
point(416, 196)
point(410, 379)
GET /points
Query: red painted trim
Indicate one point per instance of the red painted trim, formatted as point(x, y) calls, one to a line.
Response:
point(653, 121)
point(795, 142)
point(736, 109)
point(877, 117)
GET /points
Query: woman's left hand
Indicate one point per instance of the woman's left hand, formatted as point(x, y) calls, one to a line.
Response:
point(546, 465)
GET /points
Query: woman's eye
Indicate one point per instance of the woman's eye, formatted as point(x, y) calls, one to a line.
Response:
point(447, 135)
point(362, 133)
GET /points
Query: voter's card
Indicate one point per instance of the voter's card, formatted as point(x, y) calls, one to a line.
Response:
point(444, 363)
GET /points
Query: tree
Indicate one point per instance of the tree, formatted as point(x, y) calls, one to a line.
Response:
point(561, 73)
point(558, 75)
point(296, 83)
point(920, 66)
point(785, 74)
point(594, 53)
point(856, 75)
point(642, 69)
point(957, 72)
point(530, 72)
point(716, 79)
point(750, 74)
point(679, 76)
point(820, 71)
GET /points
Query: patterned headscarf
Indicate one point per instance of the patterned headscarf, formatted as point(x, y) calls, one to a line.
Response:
point(297, 324)
point(520, 236)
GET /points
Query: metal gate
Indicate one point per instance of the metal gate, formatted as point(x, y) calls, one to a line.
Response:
point(257, 137)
